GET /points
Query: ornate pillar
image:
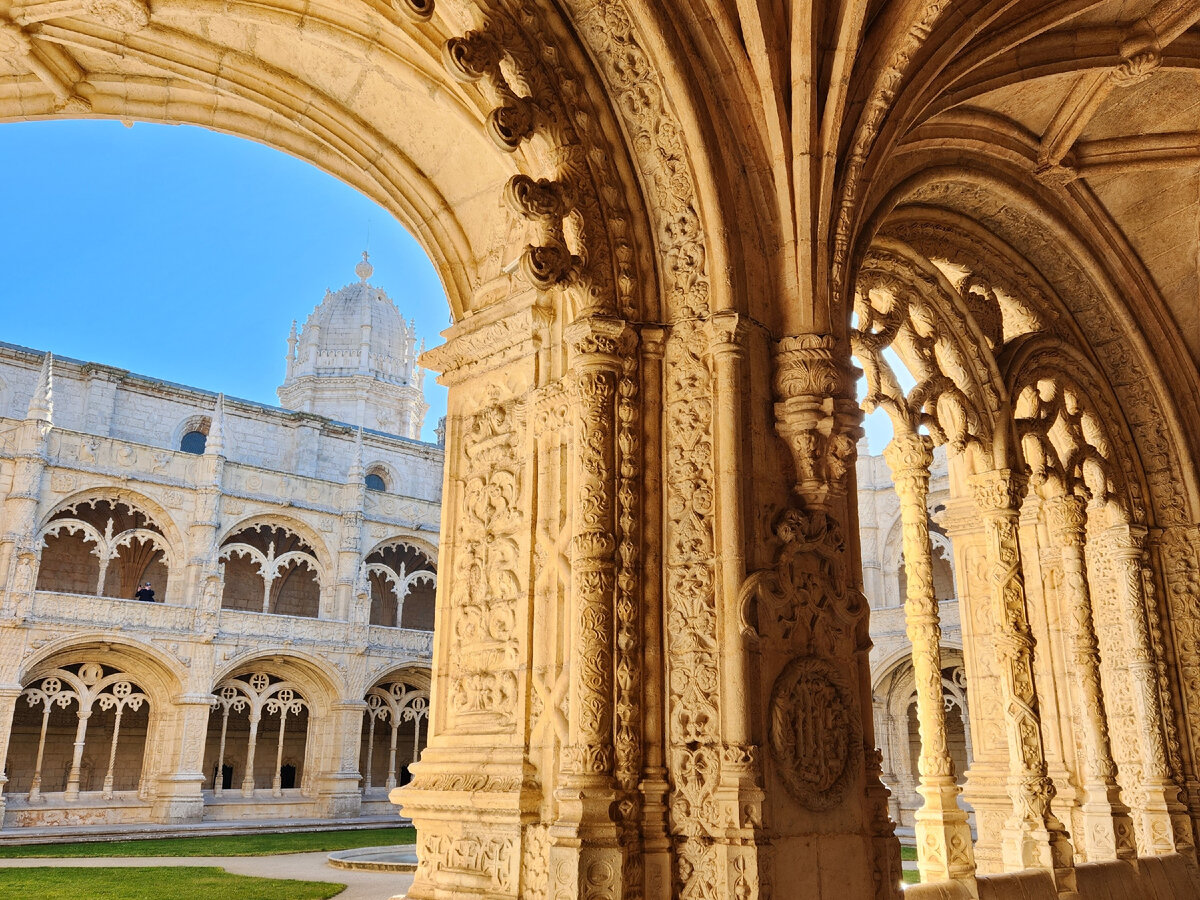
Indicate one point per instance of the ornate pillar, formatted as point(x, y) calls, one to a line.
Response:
point(656, 841)
point(8, 705)
point(806, 620)
point(1107, 826)
point(496, 363)
point(987, 772)
point(585, 854)
point(944, 849)
point(72, 789)
point(1033, 835)
point(1158, 794)
point(338, 791)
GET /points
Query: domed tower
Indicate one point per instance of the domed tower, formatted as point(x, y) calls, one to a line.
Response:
point(356, 361)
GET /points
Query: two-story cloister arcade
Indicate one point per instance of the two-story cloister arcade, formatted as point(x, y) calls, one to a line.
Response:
point(668, 231)
point(96, 728)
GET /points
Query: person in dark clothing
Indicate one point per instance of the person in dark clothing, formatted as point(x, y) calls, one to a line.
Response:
point(146, 593)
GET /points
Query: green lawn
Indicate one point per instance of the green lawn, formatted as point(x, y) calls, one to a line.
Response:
point(912, 877)
point(909, 853)
point(232, 845)
point(199, 883)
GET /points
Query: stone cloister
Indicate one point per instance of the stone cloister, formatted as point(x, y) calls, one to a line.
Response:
point(672, 236)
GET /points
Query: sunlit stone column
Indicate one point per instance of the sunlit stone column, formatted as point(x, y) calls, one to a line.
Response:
point(8, 705)
point(585, 856)
point(943, 836)
point(1159, 794)
point(72, 789)
point(1033, 835)
point(1108, 828)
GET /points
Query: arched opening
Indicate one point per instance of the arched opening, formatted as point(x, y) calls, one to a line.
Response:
point(270, 569)
point(106, 547)
point(258, 735)
point(403, 583)
point(79, 736)
point(395, 731)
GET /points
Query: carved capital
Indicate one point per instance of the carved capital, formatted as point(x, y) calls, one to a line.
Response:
point(806, 365)
point(814, 416)
point(499, 334)
point(1066, 517)
point(999, 492)
point(909, 458)
point(1128, 542)
point(599, 341)
point(727, 333)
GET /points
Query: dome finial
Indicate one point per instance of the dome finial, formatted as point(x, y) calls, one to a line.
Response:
point(364, 269)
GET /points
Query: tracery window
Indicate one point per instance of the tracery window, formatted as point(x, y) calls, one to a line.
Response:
point(394, 733)
point(248, 710)
point(79, 728)
point(104, 547)
point(271, 569)
point(402, 581)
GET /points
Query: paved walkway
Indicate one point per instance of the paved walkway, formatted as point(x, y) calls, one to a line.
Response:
point(303, 866)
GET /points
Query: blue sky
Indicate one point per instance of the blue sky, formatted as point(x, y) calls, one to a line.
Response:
point(183, 254)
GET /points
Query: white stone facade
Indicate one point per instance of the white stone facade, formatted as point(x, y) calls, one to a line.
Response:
point(282, 671)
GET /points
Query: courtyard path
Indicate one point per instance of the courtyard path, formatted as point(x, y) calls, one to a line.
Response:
point(302, 866)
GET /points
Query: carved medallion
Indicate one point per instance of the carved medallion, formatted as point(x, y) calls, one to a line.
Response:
point(814, 734)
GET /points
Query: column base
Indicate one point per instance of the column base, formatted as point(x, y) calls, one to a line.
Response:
point(944, 847)
point(475, 815)
point(339, 796)
point(179, 800)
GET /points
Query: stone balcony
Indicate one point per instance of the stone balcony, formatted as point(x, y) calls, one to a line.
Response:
point(88, 612)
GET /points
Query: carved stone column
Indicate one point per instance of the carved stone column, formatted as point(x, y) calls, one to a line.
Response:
point(1033, 835)
point(987, 772)
point(944, 849)
point(585, 856)
point(1108, 828)
point(656, 841)
point(338, 790)
point(739, 792)
point(184, 728)
point(807, 620)
point(1159, 795)
point(475, 795)
point(8, 705)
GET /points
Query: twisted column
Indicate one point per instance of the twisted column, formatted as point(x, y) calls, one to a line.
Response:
point(1159, 794)
point(1108, 827)
point(944, 849)
point(1033, 835)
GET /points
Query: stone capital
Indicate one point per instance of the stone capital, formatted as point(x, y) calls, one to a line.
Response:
point(999, 492)
point(599, 342)
point(727, 332)
point(1066, 517)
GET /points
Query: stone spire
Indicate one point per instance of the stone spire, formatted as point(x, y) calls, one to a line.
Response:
point(291, 356)
point(215, 445)
point(357, 474)
point(41, 404)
